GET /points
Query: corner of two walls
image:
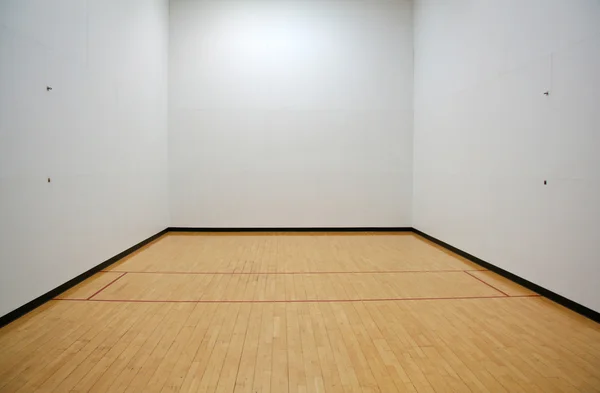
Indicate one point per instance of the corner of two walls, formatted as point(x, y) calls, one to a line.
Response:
point(246, 122)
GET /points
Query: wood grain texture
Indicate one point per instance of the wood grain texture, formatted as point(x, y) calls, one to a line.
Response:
point(502, 343)
point(317, 252)
point(296, 287)
point(502, 284)
point(91, 286)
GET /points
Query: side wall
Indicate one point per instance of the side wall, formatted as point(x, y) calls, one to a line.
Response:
point(100, 135)
point(487, 137)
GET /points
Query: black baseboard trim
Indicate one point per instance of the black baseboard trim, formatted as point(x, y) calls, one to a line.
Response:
point(300, 229)
point(17, 313)
point(555, 297)
point(24, 309)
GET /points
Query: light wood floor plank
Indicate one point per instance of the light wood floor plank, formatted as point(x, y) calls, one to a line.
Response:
point(280, 364)
point(198, 366)
point(329, 286)
point(83, 338)
point(299, 313)
point(248, 359)
point(100, 360)
point(165, 338)
point(90, 286)
point(264, 355)
point(142, 348)
point(214, 366)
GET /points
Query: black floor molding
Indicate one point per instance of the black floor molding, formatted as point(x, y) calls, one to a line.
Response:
point(587, 312)
point(563, 301)
point(301, 229)
point(24, 309)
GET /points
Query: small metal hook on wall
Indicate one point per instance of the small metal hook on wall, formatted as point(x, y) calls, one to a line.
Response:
point(48, 88)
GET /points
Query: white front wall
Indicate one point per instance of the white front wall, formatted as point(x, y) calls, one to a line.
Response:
point(290, 113)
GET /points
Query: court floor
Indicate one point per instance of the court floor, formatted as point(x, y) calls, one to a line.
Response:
point(303, 312)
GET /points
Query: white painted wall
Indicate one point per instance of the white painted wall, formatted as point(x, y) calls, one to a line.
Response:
point(300, 113)
point(100, 134)
point(290, 113)
point(486, 137)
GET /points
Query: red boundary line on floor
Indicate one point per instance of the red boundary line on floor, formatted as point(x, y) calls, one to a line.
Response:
point(107, 285)
point(274, 273)
point(488, 284)
point(295, 301)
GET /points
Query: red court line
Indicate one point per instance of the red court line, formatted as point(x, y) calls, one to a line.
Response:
point(295, 301)
point(106, 286)
point(489, 285)
point(274, 273)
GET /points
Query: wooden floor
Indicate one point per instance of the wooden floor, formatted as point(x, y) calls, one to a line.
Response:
point(299, 313)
